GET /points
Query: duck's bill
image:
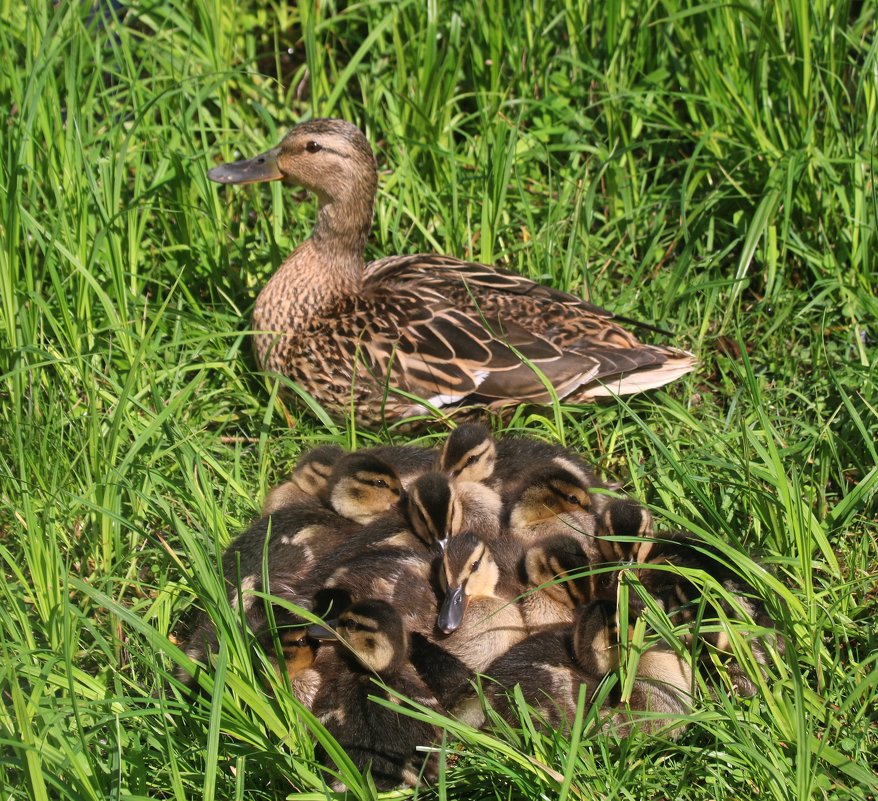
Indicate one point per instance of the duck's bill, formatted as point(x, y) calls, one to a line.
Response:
point(250, 171)
point(451, 613)
point(318, 632)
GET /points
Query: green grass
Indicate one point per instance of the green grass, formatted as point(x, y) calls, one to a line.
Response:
point(703, 167)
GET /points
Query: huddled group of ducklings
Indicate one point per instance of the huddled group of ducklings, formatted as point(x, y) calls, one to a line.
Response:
point(455, 574)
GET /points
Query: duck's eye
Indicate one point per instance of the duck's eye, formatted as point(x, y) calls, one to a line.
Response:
point(574, 500)
point(380, 483)
point(313, 147)
point(475, 565)
point(472, 460)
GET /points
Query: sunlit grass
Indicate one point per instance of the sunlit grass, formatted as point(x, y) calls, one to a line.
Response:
point(705, 168)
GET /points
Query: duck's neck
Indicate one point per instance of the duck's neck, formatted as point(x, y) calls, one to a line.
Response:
point(324, 269)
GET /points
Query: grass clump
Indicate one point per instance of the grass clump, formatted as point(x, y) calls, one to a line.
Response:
point(708, 168)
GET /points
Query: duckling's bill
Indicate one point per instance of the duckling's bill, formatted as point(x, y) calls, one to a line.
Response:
point(451, 613)
point(249, 171)
point(318, 631)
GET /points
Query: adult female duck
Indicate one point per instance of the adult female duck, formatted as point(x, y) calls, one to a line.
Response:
point(381, 338)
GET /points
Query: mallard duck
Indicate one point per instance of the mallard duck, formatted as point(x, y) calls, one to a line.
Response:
point(468, 459)
point(363, 487)
point(624, 529)
point(550, 501)
point(558, 579)
point(370, 640)
point(308, 482)
point(479, 616)
point(551, 666)
point(372, 337)
point(670, 568)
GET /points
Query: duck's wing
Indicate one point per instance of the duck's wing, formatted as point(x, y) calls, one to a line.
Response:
point(610, 359)
point(413, 337)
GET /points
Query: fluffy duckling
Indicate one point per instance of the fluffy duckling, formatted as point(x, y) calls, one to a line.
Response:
point(433, 510)
point(553, 500)
point(661, 569)
point(468, 459)
point(518, 457)
point(624, 528)
point(307, 485)
point(296, 655)
point(371, 642)
point(550, 667)
point(469, 453)
point(363, 487)
point(409, 461)
point(662, 688)
point(479, 614)
point(558, 579)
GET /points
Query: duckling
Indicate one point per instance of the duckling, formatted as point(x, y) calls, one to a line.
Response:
point(468, 459)
point(296, 656)
point(293, 541)
point(544, 665)
point(518, 457)
point(550, 667)
point(371, 642)
point(307, 485)
point(479, 614)
point(469, 454)
point(558, 579)
point(663, 569)
point(662, 689)
point(373, 338)
point(433, 509)
point(624, 518)
point(554, 500)
point(363, 487)
point(409, 461)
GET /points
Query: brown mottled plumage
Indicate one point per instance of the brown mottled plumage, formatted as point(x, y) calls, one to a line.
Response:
point(366, 337)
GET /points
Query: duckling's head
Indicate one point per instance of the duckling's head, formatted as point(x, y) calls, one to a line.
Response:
point(362, 487)
point(559, 566)
point(624, 517)
point(551, 491)
point(374, 633)
point(314, 469)
point(433, 509)
point(595, 637)
point(469, 454)
point(330, 157)
point(468, 571)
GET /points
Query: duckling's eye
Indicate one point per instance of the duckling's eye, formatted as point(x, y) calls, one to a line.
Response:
point(472, 460)
point(380, 483)
point(475, 565)
point(574, 500)
point(313, 147)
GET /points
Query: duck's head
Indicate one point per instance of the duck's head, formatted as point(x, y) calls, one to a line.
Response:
point(433, 509)
point(468, 570)
point(330, 157)
point(559, 566)
point(551, 491)
point(362, 487)
point(374, 633)
point(314, 469)
point(469, 454)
